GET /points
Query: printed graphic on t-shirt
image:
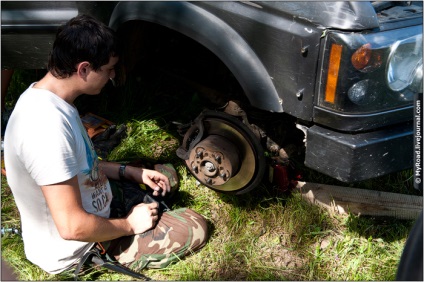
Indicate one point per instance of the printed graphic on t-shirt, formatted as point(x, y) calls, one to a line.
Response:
point(99, 196)
point(95, 181)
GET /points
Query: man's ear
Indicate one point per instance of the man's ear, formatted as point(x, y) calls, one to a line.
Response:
point(83, 69)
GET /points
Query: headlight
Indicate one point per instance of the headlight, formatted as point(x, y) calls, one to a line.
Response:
point(372, 72)
point(404, 68)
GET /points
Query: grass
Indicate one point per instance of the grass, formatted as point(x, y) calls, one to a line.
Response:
point(262, 235)
point(145, 140)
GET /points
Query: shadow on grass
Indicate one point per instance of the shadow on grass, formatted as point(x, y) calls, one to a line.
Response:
point(388, 229)
point(261, 197)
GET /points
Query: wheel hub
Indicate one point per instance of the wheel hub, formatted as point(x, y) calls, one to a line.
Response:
point(214, 160)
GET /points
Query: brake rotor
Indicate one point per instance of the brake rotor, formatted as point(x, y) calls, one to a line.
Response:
point(223, 153)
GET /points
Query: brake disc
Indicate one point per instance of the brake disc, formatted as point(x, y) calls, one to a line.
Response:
point(223, 153)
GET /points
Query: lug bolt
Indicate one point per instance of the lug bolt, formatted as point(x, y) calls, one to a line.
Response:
point(199, 154)
point(209, 181)
point(195, 168)
point(218, 158)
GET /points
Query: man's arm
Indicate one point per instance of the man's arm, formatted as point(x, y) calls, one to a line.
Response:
point(154, 179)
point(74, 223)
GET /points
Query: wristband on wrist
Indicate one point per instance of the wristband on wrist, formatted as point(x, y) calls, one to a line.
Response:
point(122, 171)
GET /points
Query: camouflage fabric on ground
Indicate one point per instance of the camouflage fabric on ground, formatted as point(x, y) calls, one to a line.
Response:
point(176, 234)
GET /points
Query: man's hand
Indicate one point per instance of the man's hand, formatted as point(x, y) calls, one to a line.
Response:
point(143, 217)
point(157, 181)
point(152, 178)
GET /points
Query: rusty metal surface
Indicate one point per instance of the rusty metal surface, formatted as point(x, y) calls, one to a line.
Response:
point(246, 170)
point(223, 153)
point(214, 159)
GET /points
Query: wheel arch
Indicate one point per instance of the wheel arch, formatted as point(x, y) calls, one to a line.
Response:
point(214, 34)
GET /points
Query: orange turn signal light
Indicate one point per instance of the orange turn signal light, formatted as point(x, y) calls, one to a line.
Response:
point(361, 57)
point(333, 73)
point(366, 59)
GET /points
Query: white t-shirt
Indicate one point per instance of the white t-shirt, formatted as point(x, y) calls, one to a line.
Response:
point(46, 143)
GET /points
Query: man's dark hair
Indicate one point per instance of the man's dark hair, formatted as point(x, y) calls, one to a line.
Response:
point(82, 38)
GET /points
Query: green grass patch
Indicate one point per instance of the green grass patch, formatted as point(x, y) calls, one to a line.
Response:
point(146, 140)
point(349, 257)
point(259, 236)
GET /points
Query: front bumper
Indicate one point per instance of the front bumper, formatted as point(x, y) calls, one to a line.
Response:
point(355, 157)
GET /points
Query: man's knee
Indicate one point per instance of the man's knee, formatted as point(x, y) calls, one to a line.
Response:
point(178, 233)
point(189, 228)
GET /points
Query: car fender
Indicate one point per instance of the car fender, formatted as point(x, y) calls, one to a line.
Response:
point(214, 34)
